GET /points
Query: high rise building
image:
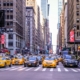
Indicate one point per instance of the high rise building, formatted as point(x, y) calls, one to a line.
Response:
point(74, 21)
point(60, 5)
point(14, 20)
point(44, 8)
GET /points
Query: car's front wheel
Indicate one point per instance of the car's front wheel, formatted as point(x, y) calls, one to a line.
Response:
point(10, 65)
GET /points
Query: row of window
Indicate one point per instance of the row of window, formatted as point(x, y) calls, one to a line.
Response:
point(9, 23)
point(78, 34)
point(8, 4)
point(10, 44)
point(9, 16)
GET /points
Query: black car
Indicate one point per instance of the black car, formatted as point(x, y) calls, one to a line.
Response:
point(31, 61)
point(70, 61)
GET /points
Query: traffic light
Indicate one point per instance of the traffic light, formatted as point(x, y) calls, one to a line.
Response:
point(2, 18)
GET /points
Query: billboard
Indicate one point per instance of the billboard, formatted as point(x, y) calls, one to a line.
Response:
point(72, 36)
point(2, 39)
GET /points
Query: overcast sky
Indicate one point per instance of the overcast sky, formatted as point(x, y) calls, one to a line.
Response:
point(53, 20)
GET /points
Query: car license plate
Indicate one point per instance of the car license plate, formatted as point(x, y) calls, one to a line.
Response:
point(29, 63)
point(71, 65)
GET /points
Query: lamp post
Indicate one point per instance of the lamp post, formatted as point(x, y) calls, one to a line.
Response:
point(74, 27)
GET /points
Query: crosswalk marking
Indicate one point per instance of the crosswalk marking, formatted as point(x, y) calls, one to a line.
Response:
point(21, 69)
point(78, 69)
point(66, 69)
point(13, 69)
point(74, 70)
point(59, 69)
point(28, 69)
point(51, 69)
point(44, 69)
point(37, 69)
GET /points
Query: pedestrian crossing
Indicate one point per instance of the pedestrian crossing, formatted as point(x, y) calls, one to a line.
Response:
point(35, 69)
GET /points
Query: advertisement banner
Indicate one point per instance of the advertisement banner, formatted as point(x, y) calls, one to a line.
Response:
point(72, 36)
point(3, 39)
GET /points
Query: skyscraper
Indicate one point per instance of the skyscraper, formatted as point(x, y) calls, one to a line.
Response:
point(60, 4)
point(44, 8)
point(14, 20)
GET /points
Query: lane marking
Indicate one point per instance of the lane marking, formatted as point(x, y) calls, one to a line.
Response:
point(74, 70)
point(37, 69)
point(21, 69)
point(66, 69)
point(51, 69)
point(44, 69)
point(28, 69)
point(78, 69)
point(59, 69)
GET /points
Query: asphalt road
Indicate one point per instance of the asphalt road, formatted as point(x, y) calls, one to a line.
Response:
point(39, 73)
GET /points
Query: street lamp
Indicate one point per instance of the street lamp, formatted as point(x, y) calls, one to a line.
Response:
point(74, 28)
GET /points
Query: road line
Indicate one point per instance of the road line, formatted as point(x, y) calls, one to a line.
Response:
point(28, 69)
point(51, 69)
point(13, 69)
point(59, 69)
point(37, 69)
point(66, 69)
point(74, 70)
point(78, 69)
point(21, 69)
point(44, 69)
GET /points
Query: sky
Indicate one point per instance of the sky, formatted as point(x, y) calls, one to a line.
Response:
point(53, 20)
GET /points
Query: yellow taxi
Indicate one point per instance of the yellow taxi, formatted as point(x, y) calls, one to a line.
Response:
point(5, 61)
point(49, 62)
point(18, 60)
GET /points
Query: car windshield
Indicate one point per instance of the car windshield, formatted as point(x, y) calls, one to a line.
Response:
point(39, 57)
point(69, 57)
point(32, 58)
point(47, 58)
point(2, 58)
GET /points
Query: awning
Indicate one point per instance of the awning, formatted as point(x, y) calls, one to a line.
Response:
point(76, 42)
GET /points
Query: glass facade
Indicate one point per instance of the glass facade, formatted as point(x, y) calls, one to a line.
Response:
point(44, 7)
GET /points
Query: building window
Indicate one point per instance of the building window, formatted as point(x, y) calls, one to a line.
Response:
point(7, 16)
point(7, 4)
point(7, 23)
point(28, 23)
point(10, 43)
point(11, 16)
point(77, 20)
point(77, 34)
point(77, 0)
point(77, 27)
point(11, 4)
point(10, 36)
point(4, 4)
point(11, 23)
point(77, 6)
point(77, 13)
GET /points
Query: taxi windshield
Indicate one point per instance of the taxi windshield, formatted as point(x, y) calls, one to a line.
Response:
point(2, 58)
point(32, 58)
point(47, 58)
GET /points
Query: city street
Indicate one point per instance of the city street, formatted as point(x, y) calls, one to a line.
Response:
point(39, 73)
